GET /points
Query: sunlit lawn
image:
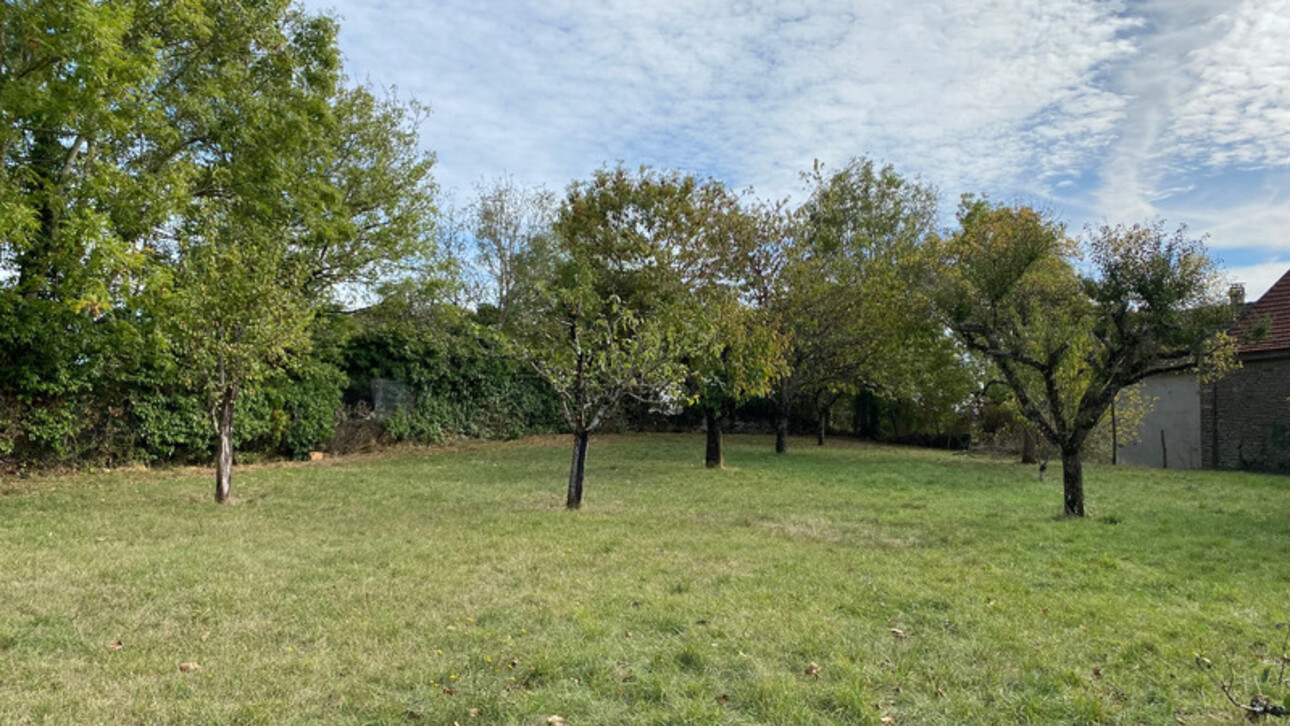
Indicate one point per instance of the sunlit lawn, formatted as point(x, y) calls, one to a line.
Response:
point(450, 585)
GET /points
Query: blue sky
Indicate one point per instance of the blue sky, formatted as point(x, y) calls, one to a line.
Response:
point(1102, 111)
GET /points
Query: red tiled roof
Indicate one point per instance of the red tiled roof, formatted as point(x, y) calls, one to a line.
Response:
point(1273, 309)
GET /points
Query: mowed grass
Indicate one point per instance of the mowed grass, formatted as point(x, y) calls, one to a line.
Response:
point(436, 586)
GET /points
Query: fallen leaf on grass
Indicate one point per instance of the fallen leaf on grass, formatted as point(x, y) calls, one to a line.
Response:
point(412, 715)
point(897, 632)
point(116, 645)
point(474, 712)
point(1097, 672)
point(813, 670)
point(723, 698)
point(189, 667)
point(555, 721)
point(887, 719)
point(448, 692)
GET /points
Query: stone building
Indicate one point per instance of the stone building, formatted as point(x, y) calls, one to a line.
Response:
point(1245, 416)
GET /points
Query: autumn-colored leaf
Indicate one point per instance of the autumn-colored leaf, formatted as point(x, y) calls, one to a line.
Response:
point(474, 712)
point(116, 645)
point(813, 670)
point(555, 721)
point(897, 632)
point(189, 666)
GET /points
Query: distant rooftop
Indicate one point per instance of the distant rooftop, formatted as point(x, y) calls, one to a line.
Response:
point(1271, 311)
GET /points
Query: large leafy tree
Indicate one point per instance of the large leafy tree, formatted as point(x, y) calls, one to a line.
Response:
point(853, 311)
point(309, 187)
point(94, 159)
point(190, 173)
point(746, 346)
point(614, 316)
point(1065, 338)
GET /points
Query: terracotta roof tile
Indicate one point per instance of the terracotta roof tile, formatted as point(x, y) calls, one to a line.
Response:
point(1274, 308)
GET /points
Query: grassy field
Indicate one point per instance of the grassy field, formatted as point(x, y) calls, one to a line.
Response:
point(436, 586)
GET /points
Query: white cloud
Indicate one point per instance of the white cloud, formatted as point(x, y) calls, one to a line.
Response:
point(1237, 111)
point(1260, 223)
point(1211, 92)
point(1034, 99)
point(1259, 277)
point(971, 95)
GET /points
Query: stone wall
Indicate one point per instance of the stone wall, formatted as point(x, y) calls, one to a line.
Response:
point(1245, 417)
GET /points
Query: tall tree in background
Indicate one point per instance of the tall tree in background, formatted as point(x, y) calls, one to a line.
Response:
point(853, 310)
point(511, 226)
point(746, 345)
point(614, 317)
point(1065, 341)
point(763, 254)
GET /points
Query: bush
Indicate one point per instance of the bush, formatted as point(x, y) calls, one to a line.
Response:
point(459, 386)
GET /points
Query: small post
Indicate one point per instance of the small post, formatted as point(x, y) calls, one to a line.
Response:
point(1164, 452)
point(1115, 437)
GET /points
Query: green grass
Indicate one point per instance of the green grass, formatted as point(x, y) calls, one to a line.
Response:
point(419, 585)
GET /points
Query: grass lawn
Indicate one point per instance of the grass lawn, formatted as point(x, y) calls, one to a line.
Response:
point(436, 586)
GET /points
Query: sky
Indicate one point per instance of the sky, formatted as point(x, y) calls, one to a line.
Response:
point(1111, 111)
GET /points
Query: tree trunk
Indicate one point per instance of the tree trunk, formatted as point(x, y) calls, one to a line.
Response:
point(577, 470)
point(1073, 483)
point(781, 420)
point(870, 426)
point(224, 430)
point(821, 426)
point(715, 458)
point(1028, 445)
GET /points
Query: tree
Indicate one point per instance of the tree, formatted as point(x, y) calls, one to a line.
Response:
point(92, 155)
point(853, 311)
point(302, 186)
point(237, 316)
point(511, 225)
point(758, 253)
point(744, 347)
point(614, 316)
point(1066, 340)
